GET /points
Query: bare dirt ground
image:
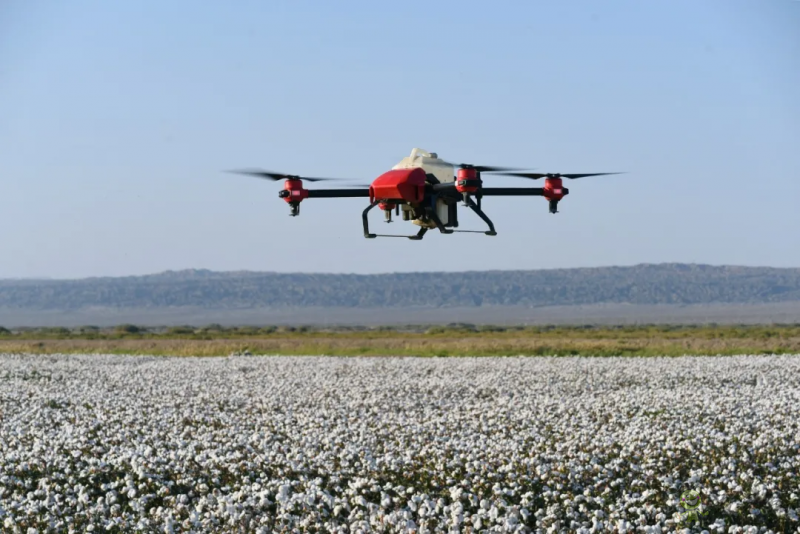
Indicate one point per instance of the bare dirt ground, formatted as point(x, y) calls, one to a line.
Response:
point(786, 312)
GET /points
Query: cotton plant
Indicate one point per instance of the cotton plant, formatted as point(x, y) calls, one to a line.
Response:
point(103, 443)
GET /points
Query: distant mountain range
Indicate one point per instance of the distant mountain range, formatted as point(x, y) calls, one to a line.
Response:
point(671, 284)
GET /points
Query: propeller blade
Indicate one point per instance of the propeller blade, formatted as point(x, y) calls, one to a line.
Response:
point(269, 175)
point(531, 175)
point(493, 168)
point(481, 168)
point(573, 176)
point(352, 185)
point(538, 175)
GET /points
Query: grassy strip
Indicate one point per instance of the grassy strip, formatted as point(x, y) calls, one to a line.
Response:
point(563, 342)
point(127, 331)
point(451, 340)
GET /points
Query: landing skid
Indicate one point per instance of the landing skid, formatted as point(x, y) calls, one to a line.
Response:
point(416, 237)
point(368, 235)
point(431, 212)
point(474, 207)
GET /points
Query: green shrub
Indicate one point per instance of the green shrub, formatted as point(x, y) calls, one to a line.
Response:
point(247, 330)
point(459, 327)
point(127, 329)
point(88, 329)
point(179, 330)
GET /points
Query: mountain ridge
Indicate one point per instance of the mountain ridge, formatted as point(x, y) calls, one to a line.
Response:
point(665, 283)
point(206, 273)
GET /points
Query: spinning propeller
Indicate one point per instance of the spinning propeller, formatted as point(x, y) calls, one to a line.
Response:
point(537, 175)
point(269, 175)
point(481, 168)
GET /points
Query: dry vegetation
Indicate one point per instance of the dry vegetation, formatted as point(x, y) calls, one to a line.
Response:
point(465, 340)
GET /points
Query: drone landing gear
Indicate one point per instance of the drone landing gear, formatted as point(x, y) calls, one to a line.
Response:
point(477, 209)
point(416, 237)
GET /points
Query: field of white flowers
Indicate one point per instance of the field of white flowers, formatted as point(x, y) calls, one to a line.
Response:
point(271, 444)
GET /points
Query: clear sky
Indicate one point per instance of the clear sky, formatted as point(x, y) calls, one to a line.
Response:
point(117, 120)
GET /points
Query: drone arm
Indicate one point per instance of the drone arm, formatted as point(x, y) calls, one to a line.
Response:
point(445, 187)
point(527, 191)
point(450, 187)
point(338, 193)
point(513, 191)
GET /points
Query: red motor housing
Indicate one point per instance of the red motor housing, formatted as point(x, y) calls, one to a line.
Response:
point(400, 184)
point(293, 191)
point(553, 189)
point(467, 181)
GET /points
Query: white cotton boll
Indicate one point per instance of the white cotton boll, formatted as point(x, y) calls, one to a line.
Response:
point(283, 493)
point(494, 513)
point(314, 434)
point(456, 493)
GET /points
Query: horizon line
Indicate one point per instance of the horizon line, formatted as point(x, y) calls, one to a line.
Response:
point(322, 273)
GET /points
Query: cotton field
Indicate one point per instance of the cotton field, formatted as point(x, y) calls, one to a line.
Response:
point(293, 444)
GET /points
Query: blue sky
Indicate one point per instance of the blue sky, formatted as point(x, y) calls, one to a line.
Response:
point(117, 120)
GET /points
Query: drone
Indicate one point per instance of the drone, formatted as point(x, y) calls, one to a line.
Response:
point(427, 191)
